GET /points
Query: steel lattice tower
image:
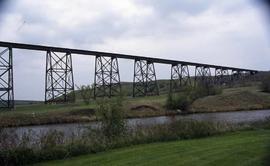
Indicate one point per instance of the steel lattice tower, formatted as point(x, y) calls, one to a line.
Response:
point(223, 76)
point(107, 77)
point(203, 75)
point(6, 79)
point(179, 77)
point(59, 85)
point(144, 80)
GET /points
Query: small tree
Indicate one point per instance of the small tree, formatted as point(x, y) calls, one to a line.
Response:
point(86, 92)
point(178, 101)
point(169, 101)
point(112, 116)
point(184, 99)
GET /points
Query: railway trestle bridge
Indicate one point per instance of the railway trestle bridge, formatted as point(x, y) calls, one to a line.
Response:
point(59, 82)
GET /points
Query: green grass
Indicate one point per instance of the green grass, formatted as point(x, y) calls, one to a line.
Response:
point(246, 148)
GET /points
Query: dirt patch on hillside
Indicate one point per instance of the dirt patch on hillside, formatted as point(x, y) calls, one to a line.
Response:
point(144, 108)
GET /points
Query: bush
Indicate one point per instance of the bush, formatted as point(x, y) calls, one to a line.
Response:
point(51, 139)
point(18, 156)
point(178, 130)
point(265, 85)
point(112, 116)
point(184, 99)
point(178, 101)
point(187, 129)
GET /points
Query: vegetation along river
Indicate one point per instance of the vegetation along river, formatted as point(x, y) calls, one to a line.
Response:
point(79, 128)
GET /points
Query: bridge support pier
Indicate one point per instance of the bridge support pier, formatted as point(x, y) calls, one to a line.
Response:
point(144, 80)
point(59, 85)
point(222, 76)
point(203, 75)
point(107, 77)
point(236, 76)
point(179, 77)
point(6, 79)
point(218, 76)
point(253, 76)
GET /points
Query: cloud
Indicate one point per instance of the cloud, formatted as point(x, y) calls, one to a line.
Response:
point(232, 33)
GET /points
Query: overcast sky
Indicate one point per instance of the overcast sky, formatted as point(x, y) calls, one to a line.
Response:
point(223, 32)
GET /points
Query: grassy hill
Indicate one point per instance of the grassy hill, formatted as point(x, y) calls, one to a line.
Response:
point(233, 99)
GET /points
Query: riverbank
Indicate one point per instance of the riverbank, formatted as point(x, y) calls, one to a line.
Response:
point(34, 147)
point(231, 99)
point(230, 118)
point(233, 149)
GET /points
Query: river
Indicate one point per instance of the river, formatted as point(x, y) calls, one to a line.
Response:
point(78, 128)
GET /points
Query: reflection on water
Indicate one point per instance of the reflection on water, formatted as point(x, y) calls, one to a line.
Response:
point(229, 117)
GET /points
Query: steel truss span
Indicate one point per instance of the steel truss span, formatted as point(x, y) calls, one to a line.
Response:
point(59, 84)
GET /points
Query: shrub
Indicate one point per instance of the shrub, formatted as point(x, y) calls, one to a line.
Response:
point(170, 102)
point(112, 116)
point(8, 139)
point(18, 156)
point(178, 101)
point(186, 129)
point(265, 124)
point(51, 139)
point(184, 99)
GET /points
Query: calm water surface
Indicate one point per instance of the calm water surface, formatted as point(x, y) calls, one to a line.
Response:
point(78, 128)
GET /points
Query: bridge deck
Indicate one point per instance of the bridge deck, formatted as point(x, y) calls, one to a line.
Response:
point(117, 55)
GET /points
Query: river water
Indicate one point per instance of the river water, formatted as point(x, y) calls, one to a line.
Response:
point(79, 128)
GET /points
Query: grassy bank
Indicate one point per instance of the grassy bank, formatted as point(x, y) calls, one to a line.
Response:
point(246, 148)
point(231, 99)
point(39, 114)
point(32, 147)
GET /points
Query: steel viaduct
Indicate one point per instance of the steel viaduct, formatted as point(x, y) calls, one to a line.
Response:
point(59, 81)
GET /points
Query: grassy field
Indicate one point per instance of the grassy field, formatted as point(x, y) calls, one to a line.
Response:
point(246, 148)
point(231, 99)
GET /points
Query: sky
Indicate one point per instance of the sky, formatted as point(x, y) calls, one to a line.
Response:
point(222, 32)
